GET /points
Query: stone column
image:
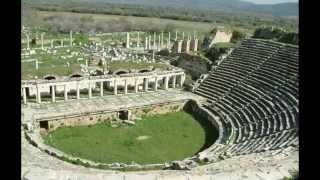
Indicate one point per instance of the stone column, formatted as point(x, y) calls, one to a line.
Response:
point(149, 43)
point(90, 90)
point(168, 45)
point(161, 39)
point(181, 80)
point(125, 86)
point(101, 88)
point(61, 41)
point(71, 38)
point(51, 43)
point(179, 46)
point(86, 62)
point(159, 42)
point(153, 56)
point(42, 41)
point(156, 84)
point(128, 40)
point(138, 43)
point(146, 82)
point(176, 38)
point(146, 43)
point(65, 92)
point(154, 40)
point(188, 46)
point(194, 35)
point(24, 95)
point(166, 82)
point(182, 35)
point(37, 64)
point(115, 87)
point(38, 94)
point(195, 45)
point(78, 91)
point(53, 93)
point(174, 81)
point(136, 85)
point(28, 41)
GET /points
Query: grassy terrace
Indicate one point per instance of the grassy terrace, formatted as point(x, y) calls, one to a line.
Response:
point(154, 139)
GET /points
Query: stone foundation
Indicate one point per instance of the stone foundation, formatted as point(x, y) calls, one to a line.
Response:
point(105, 116)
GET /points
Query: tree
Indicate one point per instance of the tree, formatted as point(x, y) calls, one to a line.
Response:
point(237, 36)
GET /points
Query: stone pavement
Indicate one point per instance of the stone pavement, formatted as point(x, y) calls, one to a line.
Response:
point(39, 165)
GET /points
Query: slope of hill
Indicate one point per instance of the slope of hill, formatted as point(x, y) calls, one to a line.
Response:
point(282, 9)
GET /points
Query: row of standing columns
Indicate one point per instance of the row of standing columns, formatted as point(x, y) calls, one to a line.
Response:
point(154, 45)
point(115, 89)
point(42, 41)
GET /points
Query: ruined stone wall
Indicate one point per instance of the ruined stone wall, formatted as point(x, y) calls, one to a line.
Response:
point(221, 37)
point(194, 65)
point(99, 117)
point(82, 120)
point(158, 109)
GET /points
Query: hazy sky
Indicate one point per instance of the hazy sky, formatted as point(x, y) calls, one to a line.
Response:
point(270, 1)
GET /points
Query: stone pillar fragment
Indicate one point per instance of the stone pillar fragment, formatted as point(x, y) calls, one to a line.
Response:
point(188, 46)
point(146, 83)
point(174, 81)
point(78, 91)
point(28, 41)
point(182, 80)
point(176, 38)
point(42, 41)
point(156, 84)
point(65, 92)
point(136, 86)
point(101, 88)
point(128, 40)
point(166, 82)
point(24, 95)
point(115, 87)
point(38, 94)
point(125, 86)
point(154, 40)
point(159, 43)
point(146, 43)
point(149, 43)
point(138, 43)
point(89, 90)
point(179, 49)
point(195, 45)
point(161, 39)
point(53, 93)
point(71, 40)
point(37, 64)
point(169, 39)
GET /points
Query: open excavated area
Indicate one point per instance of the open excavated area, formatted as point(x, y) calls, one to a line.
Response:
point(150, 140)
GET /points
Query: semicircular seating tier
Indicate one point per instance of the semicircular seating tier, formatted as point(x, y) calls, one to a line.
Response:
point(254, 91)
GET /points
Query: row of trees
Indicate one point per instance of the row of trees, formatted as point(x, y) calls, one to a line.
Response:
point(277, 34)
point(186, 14)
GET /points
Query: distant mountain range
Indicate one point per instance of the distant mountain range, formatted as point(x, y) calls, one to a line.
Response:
point(282, 9)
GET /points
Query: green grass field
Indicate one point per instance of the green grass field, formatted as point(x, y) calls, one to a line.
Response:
point(154, 139)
